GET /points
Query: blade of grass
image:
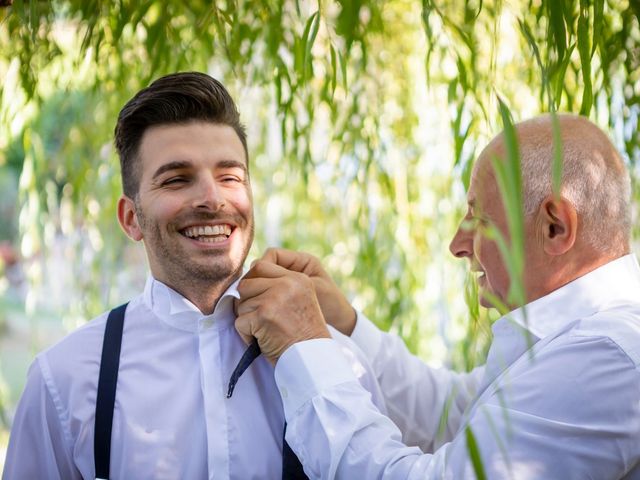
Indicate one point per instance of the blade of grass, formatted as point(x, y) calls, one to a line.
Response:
point(474, 453)
point(509, 178)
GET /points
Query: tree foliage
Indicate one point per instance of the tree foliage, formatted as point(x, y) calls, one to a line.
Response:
point(364, 119)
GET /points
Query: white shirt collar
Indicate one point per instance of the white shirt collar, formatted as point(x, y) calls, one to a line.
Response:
point(615, 282)
point(179, 312)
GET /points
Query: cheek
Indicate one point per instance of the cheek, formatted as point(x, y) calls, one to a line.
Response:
point(479, 246)
point(488, 254)
point(162, 209)
point(242, 200)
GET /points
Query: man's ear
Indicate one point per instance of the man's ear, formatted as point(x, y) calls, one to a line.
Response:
point(559, 224)
point(128, 219)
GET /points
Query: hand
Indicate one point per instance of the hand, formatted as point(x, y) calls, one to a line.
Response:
point(279, 308)
point(336, 309)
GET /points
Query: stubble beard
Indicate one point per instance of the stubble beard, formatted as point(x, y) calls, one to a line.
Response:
point(180, 269)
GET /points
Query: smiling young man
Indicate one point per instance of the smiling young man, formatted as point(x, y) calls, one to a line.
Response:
point(558, 397)
point(187, 197)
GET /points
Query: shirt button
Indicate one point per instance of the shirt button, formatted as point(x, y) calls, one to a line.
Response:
point(283, 392)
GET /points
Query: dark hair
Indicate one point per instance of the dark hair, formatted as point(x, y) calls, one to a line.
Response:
point(178, 98)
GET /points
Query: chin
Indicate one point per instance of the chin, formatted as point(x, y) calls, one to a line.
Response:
point(485, 299)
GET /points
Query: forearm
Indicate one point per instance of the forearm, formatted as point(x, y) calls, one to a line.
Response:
point(424, 402)
point(335, 429)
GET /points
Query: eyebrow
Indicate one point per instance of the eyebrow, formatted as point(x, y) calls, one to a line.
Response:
point(167, 167)
point(178, 165)
point(231, 164)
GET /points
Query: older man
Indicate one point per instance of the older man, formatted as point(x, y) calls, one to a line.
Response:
point(187, 197)
point(559, 396)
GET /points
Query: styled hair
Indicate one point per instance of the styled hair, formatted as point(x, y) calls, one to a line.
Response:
point(594, 178)
point(178, 98)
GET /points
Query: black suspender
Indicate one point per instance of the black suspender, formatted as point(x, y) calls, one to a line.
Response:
point(107, 381)
point(109, 364)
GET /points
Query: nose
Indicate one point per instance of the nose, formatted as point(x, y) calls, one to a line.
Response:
point(209, 195)
point(461, 245)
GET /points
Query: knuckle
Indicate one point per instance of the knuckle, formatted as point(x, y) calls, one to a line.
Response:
point(258, 265)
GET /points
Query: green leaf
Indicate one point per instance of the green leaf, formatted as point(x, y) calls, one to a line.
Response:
point(584, 48)
point(560, 76)
point(334, 70)
point(528, 35)
point(557, 26)
point(308, 38)
point(474, 453)
point(509, 178)
point(598, 23)
point(557, 155)
point(343, 68)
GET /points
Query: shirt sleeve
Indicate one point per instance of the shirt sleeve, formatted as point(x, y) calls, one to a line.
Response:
point(38, 444)
point(554, 419)
point(361, 368)
point(424, 402)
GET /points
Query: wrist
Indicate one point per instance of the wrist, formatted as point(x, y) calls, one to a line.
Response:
point(349, 320)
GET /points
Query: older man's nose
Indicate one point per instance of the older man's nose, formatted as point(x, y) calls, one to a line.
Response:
point(461, 245)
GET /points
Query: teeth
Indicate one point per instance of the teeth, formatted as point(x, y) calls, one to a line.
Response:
point(207, 230)
point(217, 239)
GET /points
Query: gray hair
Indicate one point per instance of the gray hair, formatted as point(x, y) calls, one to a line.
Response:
point(594, 178)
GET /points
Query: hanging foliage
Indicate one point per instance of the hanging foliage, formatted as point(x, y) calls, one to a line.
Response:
point(364, 119)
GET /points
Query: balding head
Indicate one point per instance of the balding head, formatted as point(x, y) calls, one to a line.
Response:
point(594, 178)
point(565, 236)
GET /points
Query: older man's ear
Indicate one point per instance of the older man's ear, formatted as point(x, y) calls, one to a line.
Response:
point(558, 225)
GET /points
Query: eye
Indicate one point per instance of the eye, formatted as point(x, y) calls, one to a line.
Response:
point(230, 179)
point(480, 221)
point(174, 181)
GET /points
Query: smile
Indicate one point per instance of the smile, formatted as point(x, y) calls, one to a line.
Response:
point(208, 233)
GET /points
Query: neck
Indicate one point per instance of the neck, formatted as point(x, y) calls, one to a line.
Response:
point(563, 270)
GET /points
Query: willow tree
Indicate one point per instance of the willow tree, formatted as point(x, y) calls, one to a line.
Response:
point(364, 118)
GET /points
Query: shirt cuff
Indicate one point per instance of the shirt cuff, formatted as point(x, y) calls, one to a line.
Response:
point(307, 368)
point(367, 336)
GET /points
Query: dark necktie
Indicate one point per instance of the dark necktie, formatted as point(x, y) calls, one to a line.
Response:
point(291, 466)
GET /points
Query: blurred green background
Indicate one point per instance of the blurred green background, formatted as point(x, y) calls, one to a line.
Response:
point(364, 118)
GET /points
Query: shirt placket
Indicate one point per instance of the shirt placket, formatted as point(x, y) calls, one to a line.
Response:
point(212, 385)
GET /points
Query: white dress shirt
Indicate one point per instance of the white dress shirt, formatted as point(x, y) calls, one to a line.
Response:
point(559, 397)
point(172, 419)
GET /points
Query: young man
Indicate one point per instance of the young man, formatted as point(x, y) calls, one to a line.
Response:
point(559, 395)
point(187, 196)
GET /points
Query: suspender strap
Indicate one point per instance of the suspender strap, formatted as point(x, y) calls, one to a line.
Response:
point(291, 466)
point(109, 364)
point(107, 381)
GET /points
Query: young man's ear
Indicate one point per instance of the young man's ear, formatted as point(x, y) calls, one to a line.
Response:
point(128, 219)
point(559, 224)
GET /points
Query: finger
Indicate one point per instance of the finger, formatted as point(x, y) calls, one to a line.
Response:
point(248, 305)
point(244, 324)
point(262, 269)
point(252, 287)
point(291, 260)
